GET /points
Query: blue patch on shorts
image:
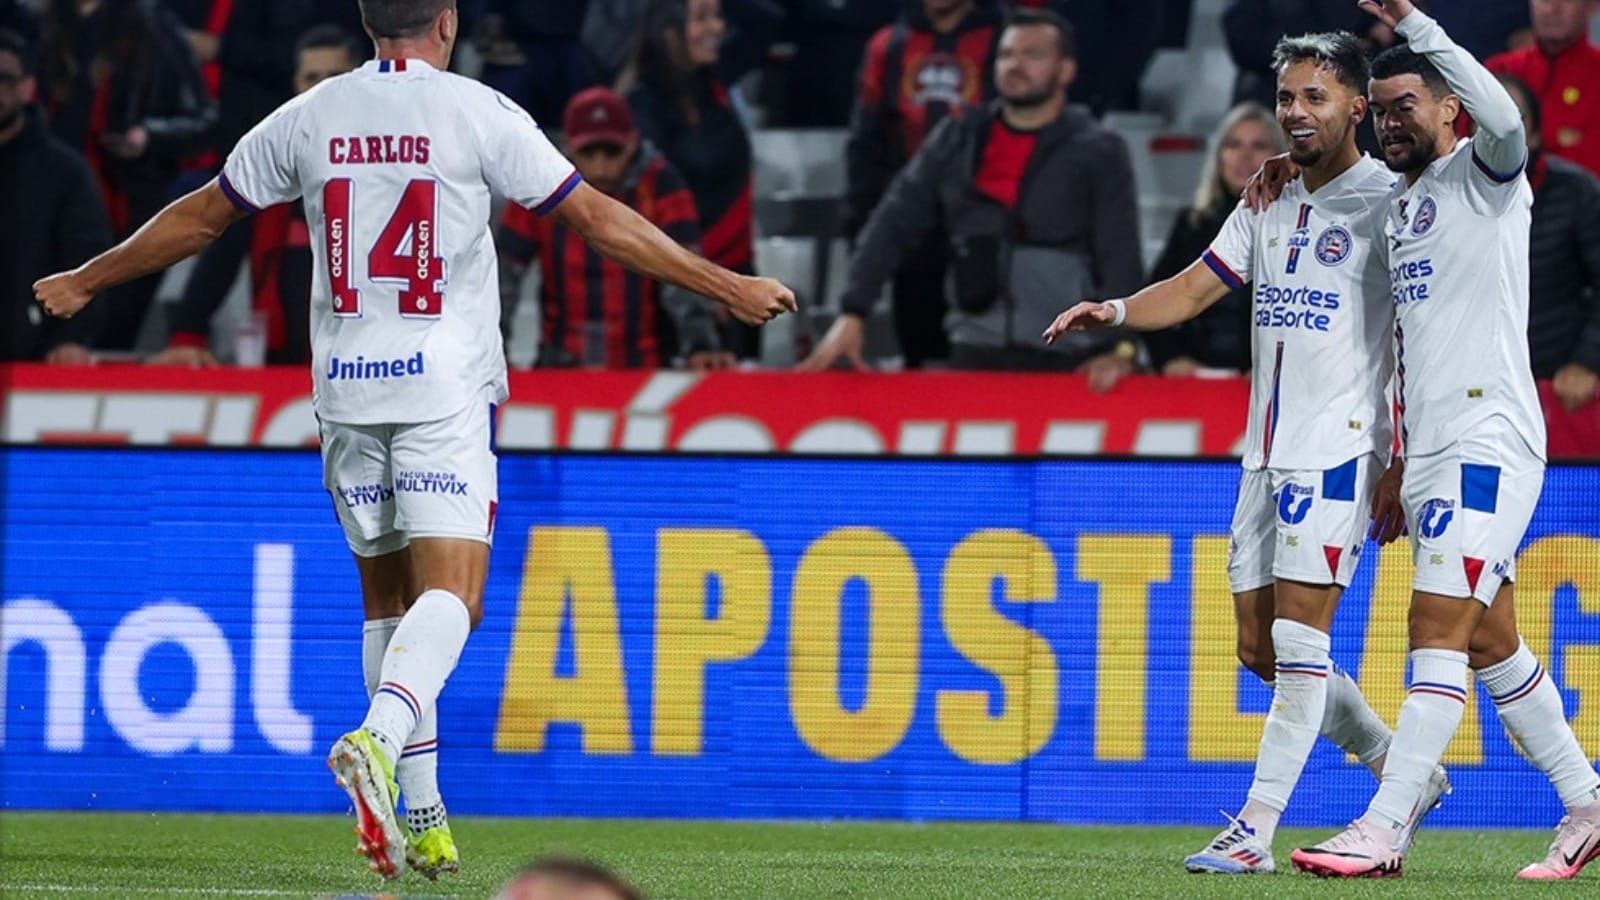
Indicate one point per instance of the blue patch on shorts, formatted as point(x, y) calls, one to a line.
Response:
point(1340, 483)
point(1480, 486)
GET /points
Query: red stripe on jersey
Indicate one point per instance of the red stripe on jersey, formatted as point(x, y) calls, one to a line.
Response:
point(727, 241)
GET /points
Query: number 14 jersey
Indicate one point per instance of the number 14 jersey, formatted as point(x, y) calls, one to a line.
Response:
point(396, 162)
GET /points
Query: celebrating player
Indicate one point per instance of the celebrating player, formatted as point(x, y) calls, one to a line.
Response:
point(396, 162)
point(1455, 235)
point(1319, 426)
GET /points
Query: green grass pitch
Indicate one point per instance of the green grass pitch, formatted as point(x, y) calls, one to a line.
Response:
point(130, 855)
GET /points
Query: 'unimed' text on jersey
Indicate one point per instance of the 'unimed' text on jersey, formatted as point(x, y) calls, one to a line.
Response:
point(396, 162)
point(1322, 318)
point(1458, 266)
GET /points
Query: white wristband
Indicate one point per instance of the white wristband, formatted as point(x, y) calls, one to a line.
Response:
point(1121, 309)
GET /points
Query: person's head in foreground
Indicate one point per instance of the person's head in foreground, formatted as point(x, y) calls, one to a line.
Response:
point(1413, 109)
point(1321, 78)
point(430, 26)
point(559, 877)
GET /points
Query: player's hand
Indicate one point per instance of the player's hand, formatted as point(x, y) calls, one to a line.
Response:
point(1086, 316)
point(192, 357)
point(843, 341)
point(1388, 517)
point(1575, 386)
point(129, 144)
point(1389, 12)
point(69, 354)
point(1105, 371)
point(1180, 367)
point(710, 361)
point(61, 295)
point(760, 300)
point(1268, 182)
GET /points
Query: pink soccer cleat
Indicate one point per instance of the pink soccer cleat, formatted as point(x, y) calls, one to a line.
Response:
point(1356, 852)
point(1577, 843)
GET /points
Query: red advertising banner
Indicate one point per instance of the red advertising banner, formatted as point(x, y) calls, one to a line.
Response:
point(866, 414)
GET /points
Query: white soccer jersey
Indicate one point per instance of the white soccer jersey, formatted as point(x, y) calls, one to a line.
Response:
point(1321, 341)
point(1458, 261)
point(396, 162)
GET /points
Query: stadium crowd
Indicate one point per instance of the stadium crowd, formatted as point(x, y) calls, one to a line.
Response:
point(983, 189)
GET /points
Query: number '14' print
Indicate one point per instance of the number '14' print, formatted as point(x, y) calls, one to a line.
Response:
point(420, 273)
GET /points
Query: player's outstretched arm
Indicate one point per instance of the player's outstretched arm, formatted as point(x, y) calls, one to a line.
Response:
point(629, 239)
point(1161, 305)
point(181, 230)
point(1500, 144)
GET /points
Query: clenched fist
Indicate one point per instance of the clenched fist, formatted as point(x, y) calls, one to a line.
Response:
point(60, 295)
point(760, 300)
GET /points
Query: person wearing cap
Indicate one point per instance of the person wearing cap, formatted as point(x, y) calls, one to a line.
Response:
point(594, 313)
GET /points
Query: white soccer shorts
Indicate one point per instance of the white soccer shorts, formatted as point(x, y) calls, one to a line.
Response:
point(393, 483)
point(1300, 525)
point(1468, 508)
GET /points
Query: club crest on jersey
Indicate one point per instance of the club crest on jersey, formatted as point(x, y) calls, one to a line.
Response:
point(1427, 211)
point(1334, 245)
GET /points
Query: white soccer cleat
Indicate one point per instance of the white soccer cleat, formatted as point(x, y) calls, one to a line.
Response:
point(1356, 852)
point(1577, 843)
point(1236, 850)
point(1433, 794)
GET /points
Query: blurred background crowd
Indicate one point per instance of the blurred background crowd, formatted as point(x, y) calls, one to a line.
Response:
point(935, 178)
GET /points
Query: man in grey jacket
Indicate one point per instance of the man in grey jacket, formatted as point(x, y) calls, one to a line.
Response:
point(1040, 206)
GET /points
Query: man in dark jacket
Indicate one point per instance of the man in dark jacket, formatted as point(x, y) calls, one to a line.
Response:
point(51, 219)
point(1040, 206)
point(930, 64)
point(1564, 265)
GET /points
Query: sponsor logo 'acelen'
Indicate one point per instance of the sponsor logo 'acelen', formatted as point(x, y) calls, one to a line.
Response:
point(363, 368)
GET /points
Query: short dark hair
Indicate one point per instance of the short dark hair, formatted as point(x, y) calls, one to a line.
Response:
point(559, 866)
point(1339, 52)
point(16, 45)
point(1529, 101)
point(1402, 60)
point(401, 18)
point(322, 37)
point(1067, 36)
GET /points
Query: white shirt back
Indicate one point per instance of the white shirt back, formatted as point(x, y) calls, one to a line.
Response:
point(396, 162)
point(1323, 322)
point(1458, 261)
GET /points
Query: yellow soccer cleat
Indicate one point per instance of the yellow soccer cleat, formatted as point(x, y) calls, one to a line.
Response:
point(368, 777)
point(434, 851)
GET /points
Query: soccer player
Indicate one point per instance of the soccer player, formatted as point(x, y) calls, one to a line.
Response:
point(1319, 426)
point(396, 162)
point(1455, 235)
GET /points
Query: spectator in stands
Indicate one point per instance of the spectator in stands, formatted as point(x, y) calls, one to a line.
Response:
point(120, 83)
point(1016, 254)
point(276, 242)
point(1218, 338)
point(567, 878)
point(1563, 68)
point(532, 52)
point(828, 36)
point(246, 50)
point(1116, 41)
point(593, 311)
point(1564, 265)
point(51, 218)
point(931, 63)
point(678, 88)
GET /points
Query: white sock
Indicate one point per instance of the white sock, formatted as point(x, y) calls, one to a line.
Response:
point(1300, 695)
point(1352, 724)
point(1428, 720)
point(418, 768)
point(1530, 709)
point(421, 655)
